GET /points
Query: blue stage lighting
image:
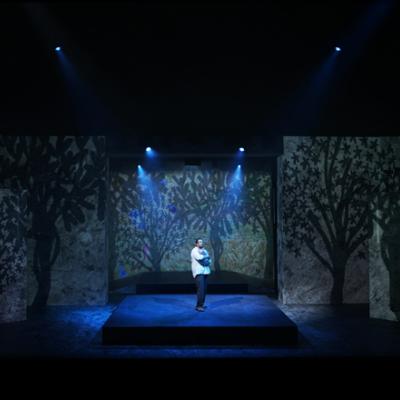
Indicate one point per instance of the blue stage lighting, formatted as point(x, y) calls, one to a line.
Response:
point(58, 48)
point(241, 149)
point(338, 48)
point(239, 166)
point(148, 149)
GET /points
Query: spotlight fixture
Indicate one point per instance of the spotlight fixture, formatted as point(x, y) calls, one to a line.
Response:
point(148, 149)
point(58, 48)
point(337, 48)
point(241, 149)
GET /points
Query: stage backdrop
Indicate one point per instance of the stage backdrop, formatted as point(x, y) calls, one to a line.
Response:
point(13, 259)
point(156, 216)
point(384, 245)
point(330, 192)
point(65, 182)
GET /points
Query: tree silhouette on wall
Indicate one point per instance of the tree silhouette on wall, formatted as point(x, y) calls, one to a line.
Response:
point(259, 212)
point(12, 211)
point(327, 196)
point(385, 209)
point(207, 203)
point(154, 230)
point(190, 200)
point(59, 185)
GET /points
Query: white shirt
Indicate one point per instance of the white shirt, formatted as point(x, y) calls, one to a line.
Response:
point(197, 268)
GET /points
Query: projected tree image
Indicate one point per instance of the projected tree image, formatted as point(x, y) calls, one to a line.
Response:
point(258, 210)
point(11, 251)
point(209, 202)
point(328, 198)
point(59, 184)
point(154, 230)
point(386, 212)
point(154, 221)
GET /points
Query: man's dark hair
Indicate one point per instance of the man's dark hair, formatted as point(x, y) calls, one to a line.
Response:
point(197, 240)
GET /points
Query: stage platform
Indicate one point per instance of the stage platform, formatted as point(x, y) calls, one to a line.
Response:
point(170, 319)
point(223, 282)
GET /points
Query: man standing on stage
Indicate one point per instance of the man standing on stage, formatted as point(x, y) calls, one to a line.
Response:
point(201, 262)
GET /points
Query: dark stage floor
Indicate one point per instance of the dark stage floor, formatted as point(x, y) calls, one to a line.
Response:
point(171, 319)
point(324, 332)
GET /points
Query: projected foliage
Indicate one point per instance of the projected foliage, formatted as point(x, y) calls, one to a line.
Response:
point(258, 209)
point(208, 204)
point(12, 253)
point(153, 229)
point(388, 217)
point(155, 221)
point(60, 185)
point(330, 185)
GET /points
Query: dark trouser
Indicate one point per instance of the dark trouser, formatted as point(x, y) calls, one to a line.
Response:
point(201, 284)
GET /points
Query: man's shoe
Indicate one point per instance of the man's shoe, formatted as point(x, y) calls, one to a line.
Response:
point(199, 308)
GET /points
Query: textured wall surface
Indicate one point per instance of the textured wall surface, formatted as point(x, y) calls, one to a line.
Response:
point(384, 245)
point(65, 179)
point(13, 256)
point(325, 217)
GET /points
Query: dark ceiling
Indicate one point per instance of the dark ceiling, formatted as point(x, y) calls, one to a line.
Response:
point(209, 75)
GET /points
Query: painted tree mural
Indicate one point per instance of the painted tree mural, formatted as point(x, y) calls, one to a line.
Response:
point(385, 209)
point(327, 197)
point(153, 224)
point(13, 256)
point(258, 210)
point(154, 229)
point(12, 253)
point(209, 202)
point(61, 175)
